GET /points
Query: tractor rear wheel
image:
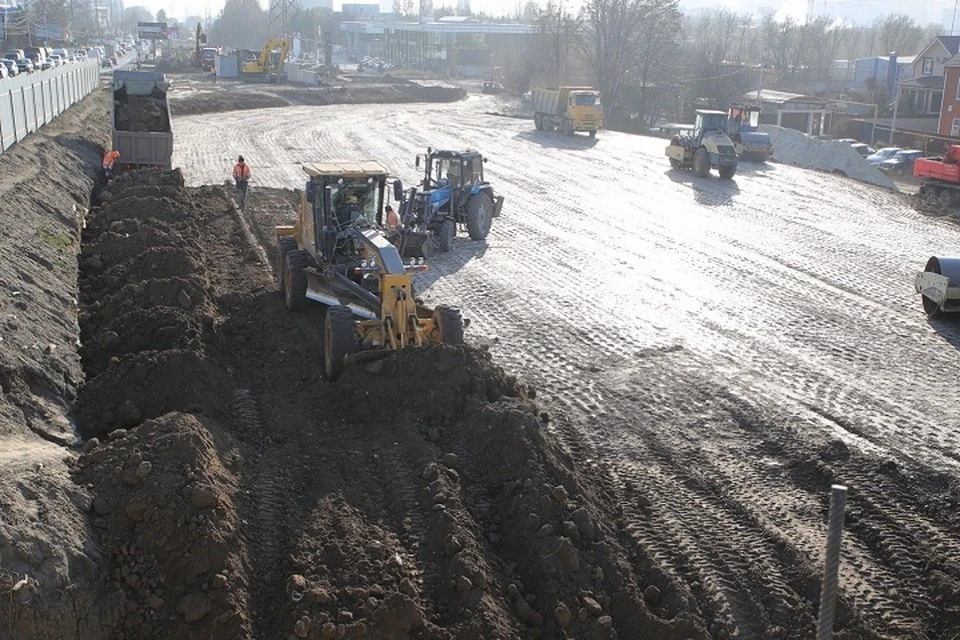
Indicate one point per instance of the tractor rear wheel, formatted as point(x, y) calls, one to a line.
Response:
point(295, 281)
point(479, 215)
point(338, 340)
point(701, 162)
point(450, 323)
point(727, 172)
point(446, 234)
point(284, 246)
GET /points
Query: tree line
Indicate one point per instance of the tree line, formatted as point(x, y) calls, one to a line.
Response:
point(651, 61)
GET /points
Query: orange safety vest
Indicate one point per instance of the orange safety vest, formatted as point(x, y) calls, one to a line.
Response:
point(110, 158)
point(241, 171)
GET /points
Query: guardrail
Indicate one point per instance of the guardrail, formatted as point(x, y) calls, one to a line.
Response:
point(29, 101)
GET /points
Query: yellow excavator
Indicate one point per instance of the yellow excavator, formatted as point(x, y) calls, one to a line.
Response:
point(268, 64)
point(336, 254)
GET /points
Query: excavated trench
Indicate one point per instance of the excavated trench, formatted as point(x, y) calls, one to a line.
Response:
point(237, 494)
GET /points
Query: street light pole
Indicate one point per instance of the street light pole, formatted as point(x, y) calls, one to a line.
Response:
point(896, 107)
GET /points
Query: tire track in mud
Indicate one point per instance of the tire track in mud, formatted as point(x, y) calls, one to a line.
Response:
point(264, 515)
point(577, 285)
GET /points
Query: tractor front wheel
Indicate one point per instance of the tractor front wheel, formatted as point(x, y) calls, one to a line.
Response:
point(446, 233)
point(479, 215)
point(449, 321)
point(295, 281)
point(338, 340)
point(701, 163)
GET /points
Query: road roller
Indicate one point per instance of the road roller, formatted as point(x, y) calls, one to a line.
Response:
point(939, 285)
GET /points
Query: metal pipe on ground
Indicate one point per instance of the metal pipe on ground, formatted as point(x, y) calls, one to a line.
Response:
point(831, 564)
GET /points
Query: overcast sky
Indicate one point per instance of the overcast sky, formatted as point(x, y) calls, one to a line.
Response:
point(863, 11)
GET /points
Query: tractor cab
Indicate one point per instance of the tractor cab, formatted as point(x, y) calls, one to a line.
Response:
point(451, 176)
point(709, 122)
point(339, 197)
point(453, 192)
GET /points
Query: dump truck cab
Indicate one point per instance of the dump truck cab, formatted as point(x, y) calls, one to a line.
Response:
point(336, 254)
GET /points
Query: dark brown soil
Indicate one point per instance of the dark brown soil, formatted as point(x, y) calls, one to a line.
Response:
point(141, 113)
point(232, 96)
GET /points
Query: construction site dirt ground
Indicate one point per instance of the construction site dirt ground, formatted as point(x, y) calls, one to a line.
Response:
point(664, 376)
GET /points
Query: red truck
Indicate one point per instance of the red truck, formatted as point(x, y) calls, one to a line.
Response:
point(940, 176)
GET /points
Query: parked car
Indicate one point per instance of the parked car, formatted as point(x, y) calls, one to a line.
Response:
point(902, 162)
point(12, 69)
point(863, 149)
point(880, 155)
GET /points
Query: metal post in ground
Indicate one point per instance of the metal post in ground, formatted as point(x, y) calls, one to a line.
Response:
point(831, 564)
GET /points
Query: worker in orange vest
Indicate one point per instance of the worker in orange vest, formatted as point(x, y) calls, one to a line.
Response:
point(241, 175)
point(109, 161)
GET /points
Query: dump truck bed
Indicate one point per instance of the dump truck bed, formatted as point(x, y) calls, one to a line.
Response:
point(140, 116)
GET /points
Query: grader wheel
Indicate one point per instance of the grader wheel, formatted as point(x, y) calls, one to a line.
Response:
point(338, 340)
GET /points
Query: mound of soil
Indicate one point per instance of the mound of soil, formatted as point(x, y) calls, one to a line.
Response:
point(261, 97)
point(141, 113)
point(146, 306)
point(163, 516)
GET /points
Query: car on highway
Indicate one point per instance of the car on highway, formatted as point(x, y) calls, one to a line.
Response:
point(25, 65)
point(902, 162)
point(880, 155)
point(3, 72)
point(57, 60)
point(11, 67)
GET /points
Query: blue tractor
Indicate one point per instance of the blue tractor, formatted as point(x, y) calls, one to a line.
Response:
point(453, 194)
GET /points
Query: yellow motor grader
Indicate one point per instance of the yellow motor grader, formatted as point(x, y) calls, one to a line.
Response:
point(336, 254)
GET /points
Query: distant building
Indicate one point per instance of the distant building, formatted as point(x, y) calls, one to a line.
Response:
point(316, 4)
point(454, 44)
point(791, 110)
point(875, 72)
point(360, 11)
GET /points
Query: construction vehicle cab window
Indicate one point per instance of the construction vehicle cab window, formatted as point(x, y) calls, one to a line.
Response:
point(355, 202)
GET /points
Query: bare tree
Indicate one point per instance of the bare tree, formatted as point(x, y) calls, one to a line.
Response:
point(556, 31)
point(613, 40)
point(898, 33)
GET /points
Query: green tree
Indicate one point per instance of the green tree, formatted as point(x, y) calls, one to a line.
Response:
point(161, 16)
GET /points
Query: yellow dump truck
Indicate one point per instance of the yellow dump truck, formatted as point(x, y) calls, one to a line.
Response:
point(569, 109)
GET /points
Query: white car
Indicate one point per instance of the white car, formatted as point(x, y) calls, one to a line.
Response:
point(882, 154)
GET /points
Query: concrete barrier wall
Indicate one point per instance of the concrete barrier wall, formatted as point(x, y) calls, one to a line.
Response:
point(31, 100)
